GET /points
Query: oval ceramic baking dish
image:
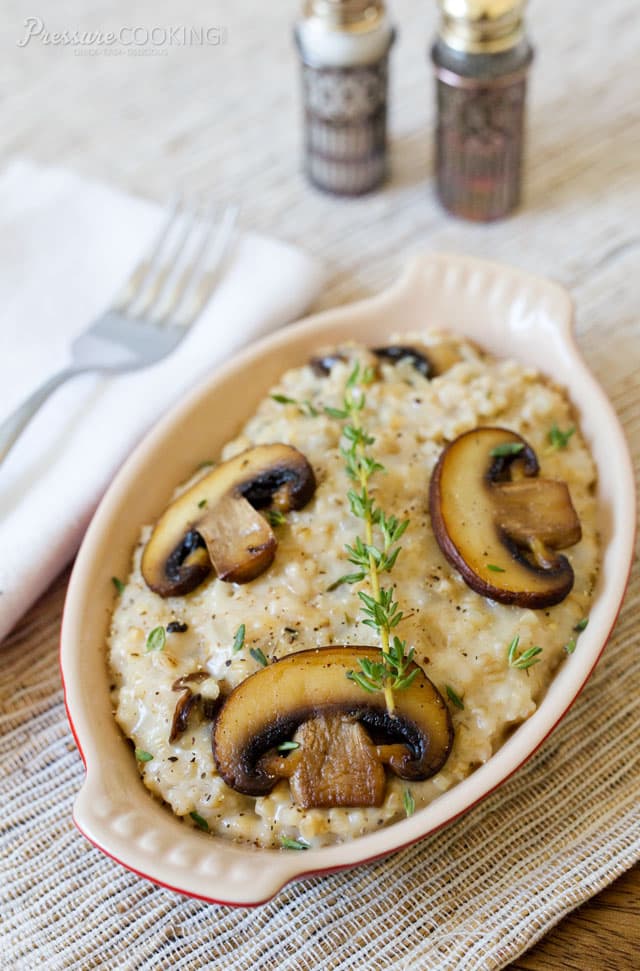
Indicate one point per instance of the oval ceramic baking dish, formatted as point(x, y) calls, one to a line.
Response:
point(506, 311)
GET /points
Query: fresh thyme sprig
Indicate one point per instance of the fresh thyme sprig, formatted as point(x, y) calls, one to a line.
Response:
point(372, 560)
point(525, 659)
point(559, 439)
point(390, 672)
point(305, 407)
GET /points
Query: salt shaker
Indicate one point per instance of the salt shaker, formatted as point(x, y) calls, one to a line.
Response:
point(481, 59)
point(344, 49)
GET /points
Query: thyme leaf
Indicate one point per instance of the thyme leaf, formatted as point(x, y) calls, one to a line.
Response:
point(200, 821)
point(409, 802)
point(559, 439)
point(143, 756)
point(118, 584)
point(282, 399)
point(506, 448)
point(338, 413)
point(570, 646)
point(238, 640)
point(289, 844)
point(495, 568)
point(156, 639)
point(347, 578)
point(275, 517)
point(368, 375)
point(454, 697)
point(305, 407)
point(258, 655)
point(525, 659)
point(288, 746)
point(310, 409)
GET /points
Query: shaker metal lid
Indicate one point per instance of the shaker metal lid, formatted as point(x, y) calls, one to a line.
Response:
point(482, 26)
point(349, 15)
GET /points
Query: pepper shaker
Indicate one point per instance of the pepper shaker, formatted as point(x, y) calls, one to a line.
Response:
point(481, 58)
point(344, 49)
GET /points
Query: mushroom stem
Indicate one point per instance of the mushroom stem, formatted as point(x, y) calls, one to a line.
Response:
point(280, 766)
point(395, 756)
point(541, 554)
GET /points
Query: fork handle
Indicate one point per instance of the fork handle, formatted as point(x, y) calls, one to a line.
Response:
point(12, 426)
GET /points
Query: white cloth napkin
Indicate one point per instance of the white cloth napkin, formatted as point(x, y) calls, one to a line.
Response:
point(66, 245)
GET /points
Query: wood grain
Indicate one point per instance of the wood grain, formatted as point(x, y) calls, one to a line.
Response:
point(602, 935)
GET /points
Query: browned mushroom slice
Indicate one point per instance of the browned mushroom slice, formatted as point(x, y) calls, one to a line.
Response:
point(323, 363)
point(185, 703)
point(207, 698)
point(443, 356)
point(397, 352)
point(428, 361)
point(216, 522)
point(311, 689)
point(502, 534)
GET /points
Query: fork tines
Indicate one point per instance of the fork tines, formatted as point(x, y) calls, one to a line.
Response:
point(173, 281)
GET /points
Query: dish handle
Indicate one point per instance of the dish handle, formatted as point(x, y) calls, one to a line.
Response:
point(486, 298)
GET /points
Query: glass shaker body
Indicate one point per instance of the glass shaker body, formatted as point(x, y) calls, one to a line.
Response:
point(480, 129)
point(345, 110)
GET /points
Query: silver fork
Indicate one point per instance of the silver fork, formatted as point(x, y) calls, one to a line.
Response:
point(150, 316)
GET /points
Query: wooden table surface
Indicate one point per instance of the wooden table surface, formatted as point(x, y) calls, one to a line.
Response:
point(602, 935)
point(225, 122)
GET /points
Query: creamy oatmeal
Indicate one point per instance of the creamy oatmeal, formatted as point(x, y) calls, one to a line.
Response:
point(227, 631)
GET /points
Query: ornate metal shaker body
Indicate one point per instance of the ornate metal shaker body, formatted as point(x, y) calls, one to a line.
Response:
point(344, 49)
point(481, 58)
